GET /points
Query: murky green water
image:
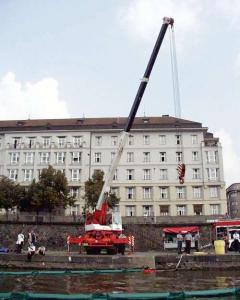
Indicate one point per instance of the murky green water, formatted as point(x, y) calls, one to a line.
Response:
point(123, 282)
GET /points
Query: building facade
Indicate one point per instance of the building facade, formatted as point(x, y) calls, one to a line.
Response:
point(233, 200)
point(146, 179)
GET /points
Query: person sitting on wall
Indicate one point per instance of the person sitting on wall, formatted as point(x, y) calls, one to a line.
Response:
point(31, 252)
point(41, 250)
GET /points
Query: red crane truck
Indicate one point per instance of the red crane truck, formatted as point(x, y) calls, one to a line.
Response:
point(100, 234)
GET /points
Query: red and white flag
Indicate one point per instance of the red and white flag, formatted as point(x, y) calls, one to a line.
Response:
point(181, 172)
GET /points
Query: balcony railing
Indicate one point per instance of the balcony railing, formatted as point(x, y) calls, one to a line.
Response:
point(37, 145)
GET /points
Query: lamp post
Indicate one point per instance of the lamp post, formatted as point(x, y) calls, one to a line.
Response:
point(90, 155)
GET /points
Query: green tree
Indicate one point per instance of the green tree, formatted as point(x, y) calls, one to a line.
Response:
point(50, 192)
point(32, 200)
point(93, 188)
point(11, 194)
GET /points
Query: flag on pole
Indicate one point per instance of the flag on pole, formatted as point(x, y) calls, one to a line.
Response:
point(181, 172)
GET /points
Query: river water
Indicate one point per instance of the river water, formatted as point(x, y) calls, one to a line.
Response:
point(161, 281)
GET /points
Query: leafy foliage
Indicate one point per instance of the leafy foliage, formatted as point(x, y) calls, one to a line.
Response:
point(50, 192)
point(11, 193)
point(93, 188)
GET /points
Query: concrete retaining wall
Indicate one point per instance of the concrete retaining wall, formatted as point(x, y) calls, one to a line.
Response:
point(159, 261)
point(54, 236)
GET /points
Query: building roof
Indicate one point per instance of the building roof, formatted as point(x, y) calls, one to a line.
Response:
point(97, 123)
point(233, 187)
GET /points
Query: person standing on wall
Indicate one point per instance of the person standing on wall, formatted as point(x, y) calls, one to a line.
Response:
point(235, 244)
point(188, 241)
point(19, 242)
point(179, 242)
point(226, 240)
point(32, 238)
point(196, 241)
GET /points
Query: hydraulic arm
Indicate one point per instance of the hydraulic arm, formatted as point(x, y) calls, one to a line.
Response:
point(108, 180)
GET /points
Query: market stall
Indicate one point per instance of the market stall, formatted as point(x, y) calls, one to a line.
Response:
point(170, 235)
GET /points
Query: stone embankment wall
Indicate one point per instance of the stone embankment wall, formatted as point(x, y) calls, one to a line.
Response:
point(150, 236)
point(54, 236)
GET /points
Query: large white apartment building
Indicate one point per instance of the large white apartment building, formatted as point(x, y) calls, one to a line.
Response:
point(146, 179)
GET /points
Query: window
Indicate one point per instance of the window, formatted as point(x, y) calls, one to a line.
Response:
point(130, 140)
point(130, 157)
point(130, 193)
point(76, 157)
point(114, 140)
point(197, 209)
point(46, 141)
point(212, 156)
point(194, 139)
point(163, 193)
point(44, 157)
point(27, 175)
point(116, 209)
point(146, 156)
point(180, 192)
point(112, 156)
point(98, 140)
point(77, 141)
point(163, 174)
point(31, 142)
point(146, 140)
point(181, 210)
point(60, 157)
point(213, 191)
point(75, 210)
point(214, 209)
point(163, 156)
point(212, 173)
point(197, 191)
point(147, 193)
point(115, 176)
point(14, 158)
point(130, 211)
point(148, 210)
point(16, 142)
point(29, 157)
point(164, 210)
point(147, 174)
point(115, 191)
point(61, 141)
point(130, 174)
point(74, 192)
point(13, 174)
point(178, 139)
point(179, 156)
point(98, 156)
point(196, 173)
point(195, 155)
point(162, 139)
point(75, 174)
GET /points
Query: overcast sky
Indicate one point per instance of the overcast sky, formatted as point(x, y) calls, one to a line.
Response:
point(69, 58)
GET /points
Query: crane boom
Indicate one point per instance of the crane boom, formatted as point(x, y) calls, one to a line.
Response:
point(106, 187)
